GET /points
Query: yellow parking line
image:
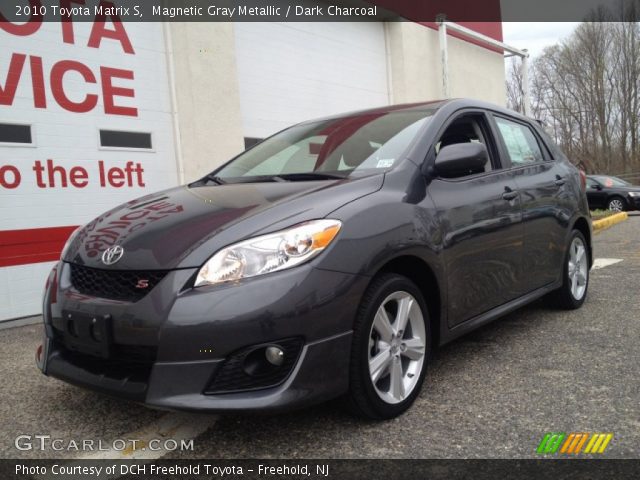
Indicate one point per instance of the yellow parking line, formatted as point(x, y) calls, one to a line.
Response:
point(599, 225)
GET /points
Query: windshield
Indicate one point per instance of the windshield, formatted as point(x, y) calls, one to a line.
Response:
point(335, 148)
point(612, 181)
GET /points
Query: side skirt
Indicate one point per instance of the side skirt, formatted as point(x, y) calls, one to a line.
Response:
point(491, 315)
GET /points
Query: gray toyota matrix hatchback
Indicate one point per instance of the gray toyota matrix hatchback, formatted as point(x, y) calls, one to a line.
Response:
point(326, 261)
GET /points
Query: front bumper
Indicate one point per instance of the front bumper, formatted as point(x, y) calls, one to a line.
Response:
point(633, 202)
point(167, 348)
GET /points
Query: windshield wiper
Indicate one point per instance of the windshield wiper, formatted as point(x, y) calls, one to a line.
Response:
point(283, 177)
point(215, 179)
point(293, 177)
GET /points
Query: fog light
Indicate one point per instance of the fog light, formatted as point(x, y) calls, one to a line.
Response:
point(275, 356)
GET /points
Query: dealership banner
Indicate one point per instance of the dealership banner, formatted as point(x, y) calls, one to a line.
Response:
point(311, 10)
point(318, 469)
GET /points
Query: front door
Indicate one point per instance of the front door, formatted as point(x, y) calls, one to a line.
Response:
point(596, 195)
point(481, 224)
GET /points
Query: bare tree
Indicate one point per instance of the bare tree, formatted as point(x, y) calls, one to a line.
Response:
point(515, 92)
point(586, 90)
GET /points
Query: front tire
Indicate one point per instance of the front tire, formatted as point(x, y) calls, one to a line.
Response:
point(617, 204)
point(391, 345)
point(575, 282)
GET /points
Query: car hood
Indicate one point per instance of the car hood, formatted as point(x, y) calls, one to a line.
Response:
point(182, 227)
point(621, 189)
point(631, 188)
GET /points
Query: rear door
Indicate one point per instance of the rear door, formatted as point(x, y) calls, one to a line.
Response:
point(481, 224)
point(546, 203)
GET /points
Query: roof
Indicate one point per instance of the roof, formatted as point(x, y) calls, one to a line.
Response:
point(455, 103)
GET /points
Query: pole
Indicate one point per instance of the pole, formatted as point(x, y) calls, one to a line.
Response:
point(444, 26)
point(444, 58)
point(526, 97)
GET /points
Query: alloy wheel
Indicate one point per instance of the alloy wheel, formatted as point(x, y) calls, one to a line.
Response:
point(397, 346)
point(578, 268)
point(616, 205)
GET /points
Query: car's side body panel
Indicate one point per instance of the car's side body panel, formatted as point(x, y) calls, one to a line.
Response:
point(599, 194)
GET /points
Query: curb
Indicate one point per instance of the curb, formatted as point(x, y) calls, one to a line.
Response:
point(20, 322)
point(603, 224)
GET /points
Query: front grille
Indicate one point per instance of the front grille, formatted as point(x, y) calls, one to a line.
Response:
point(232, 375)
point(114, 284)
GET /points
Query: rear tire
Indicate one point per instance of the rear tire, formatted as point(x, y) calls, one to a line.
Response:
point(617, 204)
point(575, 274)
point(390, 348)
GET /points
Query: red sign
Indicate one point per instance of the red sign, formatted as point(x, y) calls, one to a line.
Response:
point(112, 80)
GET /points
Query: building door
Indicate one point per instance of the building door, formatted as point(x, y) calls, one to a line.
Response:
point(291, 72)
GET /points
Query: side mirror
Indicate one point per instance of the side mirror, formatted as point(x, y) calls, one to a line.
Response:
point(461, 159)
point(597, 186)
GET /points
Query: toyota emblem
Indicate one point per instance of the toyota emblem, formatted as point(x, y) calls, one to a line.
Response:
point(112, 255)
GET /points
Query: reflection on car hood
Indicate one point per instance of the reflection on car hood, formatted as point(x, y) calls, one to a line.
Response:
point(182, 227)
point(630, 188)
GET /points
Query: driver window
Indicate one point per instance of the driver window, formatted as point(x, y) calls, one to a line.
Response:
point(465, 129)
point(592, 184)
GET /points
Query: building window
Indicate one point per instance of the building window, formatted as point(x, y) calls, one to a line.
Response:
point(118, 139)
point(12, 133)
point(251, 141)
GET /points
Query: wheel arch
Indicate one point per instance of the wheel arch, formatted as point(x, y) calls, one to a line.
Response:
point(423, 275)
point(582, 225)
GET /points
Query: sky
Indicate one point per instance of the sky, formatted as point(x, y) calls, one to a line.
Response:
point(535, 36)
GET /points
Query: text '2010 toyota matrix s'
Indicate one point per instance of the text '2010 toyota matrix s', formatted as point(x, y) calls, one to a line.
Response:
point(326, 261)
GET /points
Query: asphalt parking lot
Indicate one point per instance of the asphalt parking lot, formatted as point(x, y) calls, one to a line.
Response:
point(491, 394)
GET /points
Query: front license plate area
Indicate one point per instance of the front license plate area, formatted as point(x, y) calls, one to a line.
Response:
point(86, 333)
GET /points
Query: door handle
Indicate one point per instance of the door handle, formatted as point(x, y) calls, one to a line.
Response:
point(509, 194)
point(560, 181)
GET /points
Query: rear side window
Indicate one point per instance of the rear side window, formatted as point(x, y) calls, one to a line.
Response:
point(521, 143)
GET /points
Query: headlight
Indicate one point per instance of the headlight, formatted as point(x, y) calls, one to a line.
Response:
point(634, 194)
point(269, 253)
point(68, 242)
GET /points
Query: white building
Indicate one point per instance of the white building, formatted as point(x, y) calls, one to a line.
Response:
point(95, 114)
